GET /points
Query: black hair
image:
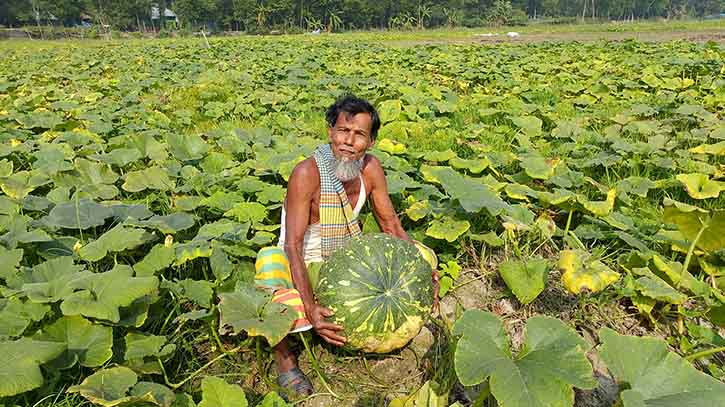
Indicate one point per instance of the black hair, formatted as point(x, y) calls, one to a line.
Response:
point(353, 105)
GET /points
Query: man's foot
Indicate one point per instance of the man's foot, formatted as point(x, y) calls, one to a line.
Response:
point(295, 381)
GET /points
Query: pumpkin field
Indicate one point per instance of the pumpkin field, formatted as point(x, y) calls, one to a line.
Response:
point(573, 192)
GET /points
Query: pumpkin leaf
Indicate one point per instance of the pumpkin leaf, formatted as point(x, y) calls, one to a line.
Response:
point(155, 178)
point(700, 186)
point(85, 343)
point(253, 312)
point(582, 272)
point(16, 315)
point(20, 370)
point(218, 393)
point(654, 376)
point(168, 224)
point(118, 386)
point(99, 296)
point(118, 239)
point(447, 228)
point(81, 214)
point(526, 279)
point(550, 362)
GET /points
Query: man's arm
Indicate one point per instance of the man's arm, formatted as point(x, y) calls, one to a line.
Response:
point(300, 192)
point(382, 205)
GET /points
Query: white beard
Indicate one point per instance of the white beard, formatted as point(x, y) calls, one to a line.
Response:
point(347, 169)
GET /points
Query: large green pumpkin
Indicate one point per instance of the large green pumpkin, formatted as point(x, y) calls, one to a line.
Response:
point(380, 289)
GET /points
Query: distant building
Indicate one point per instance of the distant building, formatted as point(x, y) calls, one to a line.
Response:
point(168, 14)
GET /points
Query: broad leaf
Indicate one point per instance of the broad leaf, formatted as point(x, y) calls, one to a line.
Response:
point(151, 178)
point(215, 392)
point(119, 386)
point(16, 315)
point(700, 186)
point(20, 370)
point(158, 258)
point(118, 239)
point(447, 229)
point(550, 362)
point(655, 377)
point(253, 312)
point(690, 219)
point(526, 279)
point(100, 295)
point(582, 272)
point(82, 214)
point(86, 343)
point(168, 224)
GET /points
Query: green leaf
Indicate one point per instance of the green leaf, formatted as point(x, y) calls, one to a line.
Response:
point(20, 184)
point(220, 264)
point(419, 210)
point(652, 286)
point(151, 178)
point(439, 156)
point(689, 220)
point(712, 149)
point(529, 125)
point(119, 157)
point(20, 370)
point(538, 167)
point(636, 185)
point(700, 186)
point(247, 212)
point(9, 261)
point(143, 352)
point(86, 343)
point(118, 386)
point(159, 257)
point(251, 311)
point(447, 228)
point(200, 292)
point(190, 251)
point(526, 279)
point(475, 166)
point(168, 224)
point(654, 376)
point(82, 214)
point(550, 362)
point(580, 271)
point(218, 393)
point(186, 147)
point(16, 315)
point(116, 240)
point(599, 208)
point(272, 399)
point(470, 192)
point(100, 296)
point(53, 280)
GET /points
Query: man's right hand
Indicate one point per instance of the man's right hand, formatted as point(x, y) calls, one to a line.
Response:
point(316, 314)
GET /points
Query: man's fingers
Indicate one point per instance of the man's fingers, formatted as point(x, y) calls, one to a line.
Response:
point(329, 326)
point(326, 312)
point(332, 337)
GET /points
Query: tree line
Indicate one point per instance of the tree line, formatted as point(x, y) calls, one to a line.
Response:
point(333, 15)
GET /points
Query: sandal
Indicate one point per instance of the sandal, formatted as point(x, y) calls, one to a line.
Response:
point(296, 381)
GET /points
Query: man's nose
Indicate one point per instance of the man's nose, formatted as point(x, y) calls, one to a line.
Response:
point(348, 138)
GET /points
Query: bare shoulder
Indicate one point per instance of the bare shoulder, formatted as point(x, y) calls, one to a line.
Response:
point(373, 170)
point(305, 176)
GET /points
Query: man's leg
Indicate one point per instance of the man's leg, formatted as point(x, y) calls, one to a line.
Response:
point(285, 358)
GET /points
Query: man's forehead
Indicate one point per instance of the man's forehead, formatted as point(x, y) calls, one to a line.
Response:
point(360, 119)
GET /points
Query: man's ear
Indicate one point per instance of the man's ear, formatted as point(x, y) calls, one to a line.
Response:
point(330, 132)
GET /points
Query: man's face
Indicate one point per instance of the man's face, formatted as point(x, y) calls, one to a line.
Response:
point(350, 138)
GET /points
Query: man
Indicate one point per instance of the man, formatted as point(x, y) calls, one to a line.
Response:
point(324, 196)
